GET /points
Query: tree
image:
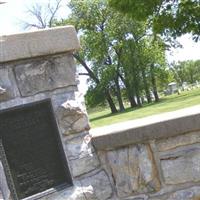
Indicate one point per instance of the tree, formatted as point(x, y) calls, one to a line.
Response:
point(43, 16)
point(94, 27)
point(167, 17)
point(116, 53)
point(186, 71)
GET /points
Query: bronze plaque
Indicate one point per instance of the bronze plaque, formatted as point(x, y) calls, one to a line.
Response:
point(33, 150)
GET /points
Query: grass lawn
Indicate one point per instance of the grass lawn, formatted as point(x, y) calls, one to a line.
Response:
point(166, 104)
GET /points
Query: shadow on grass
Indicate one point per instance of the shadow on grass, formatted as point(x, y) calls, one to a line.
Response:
point(168, 100)
point(127, 110)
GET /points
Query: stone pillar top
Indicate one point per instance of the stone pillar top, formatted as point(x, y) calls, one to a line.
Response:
point(38, 43)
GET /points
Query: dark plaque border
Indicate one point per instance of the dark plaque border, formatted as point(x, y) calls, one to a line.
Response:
point(3, 157)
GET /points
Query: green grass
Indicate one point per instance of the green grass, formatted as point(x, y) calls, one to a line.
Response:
point(103, 117)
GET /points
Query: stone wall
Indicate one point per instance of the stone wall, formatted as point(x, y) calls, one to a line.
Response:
point(161, 160)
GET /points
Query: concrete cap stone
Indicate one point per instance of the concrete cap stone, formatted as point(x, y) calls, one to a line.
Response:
point(38, 43)
point(149, 128)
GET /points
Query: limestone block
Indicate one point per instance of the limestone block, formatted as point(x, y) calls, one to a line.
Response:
point(181, 166)
point(8, 88)
point(4, 190)
point(187, 194)
point(45, 74)
point(38, 43)
point(72, 118)
point(155, 127)
point(78, 147)
point(84, 165)
point(101, 186)
point(1, 196)
point(181, 140)
point(73, 193)
point(133, 170)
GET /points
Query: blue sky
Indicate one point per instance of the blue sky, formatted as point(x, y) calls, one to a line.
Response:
point(14, 11)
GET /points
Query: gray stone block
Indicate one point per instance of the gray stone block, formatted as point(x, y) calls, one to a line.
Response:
point(8, 88)
point(84, 165)
point(181, 166)
point(38, 43)
point(46, 74)
point(102, 189)
point(133, 170)
point(78, 147)
point(192, 193)
point(149, 128)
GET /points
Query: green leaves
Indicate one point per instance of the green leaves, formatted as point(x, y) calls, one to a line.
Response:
point(168, 17)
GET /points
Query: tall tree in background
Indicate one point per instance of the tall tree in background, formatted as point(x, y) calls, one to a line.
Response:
point(91, 19)
point(42, 16)
point(186, 71)
point(121, 57)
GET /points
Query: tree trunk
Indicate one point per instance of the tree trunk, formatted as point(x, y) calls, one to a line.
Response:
point(146, 87)
point(96, 80)
point(130, 92)
point(154, 85)
point(110, 102)
point(118, 94)
point(138, 96)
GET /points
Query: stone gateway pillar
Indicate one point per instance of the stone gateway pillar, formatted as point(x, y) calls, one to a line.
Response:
point(45, 147)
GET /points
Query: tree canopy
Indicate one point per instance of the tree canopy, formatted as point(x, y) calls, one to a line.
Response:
point(167, 17)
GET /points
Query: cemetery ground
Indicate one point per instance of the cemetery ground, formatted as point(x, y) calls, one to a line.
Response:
point(101, 116)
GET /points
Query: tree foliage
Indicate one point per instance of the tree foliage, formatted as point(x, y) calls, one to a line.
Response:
point(186, 71)
point(121, 57)
point(167, 17)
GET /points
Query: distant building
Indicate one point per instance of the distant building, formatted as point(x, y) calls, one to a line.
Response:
point(171, 88)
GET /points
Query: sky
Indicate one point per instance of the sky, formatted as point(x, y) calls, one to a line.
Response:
point(14, 12)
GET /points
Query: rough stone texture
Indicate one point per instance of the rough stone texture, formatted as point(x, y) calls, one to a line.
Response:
point(4, 190)
point(133, 170)
point(181, 140)
point(73, 193)
point(186, 194)
point(1, 195)
point(38, 43)
point(78, 147)
point(101, 186)
point(96, 187)
point(45, 74)
point(8, 88)
point(154, 127)
point(72, 118)
point(84, 165)
point(181, 166)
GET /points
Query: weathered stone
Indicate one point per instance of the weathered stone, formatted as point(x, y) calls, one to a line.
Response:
point(181, 166)
point(72, 118)
point(1, 195)
point(186, 194)
point(4, 190)
point(8, 88)
point(84, 165)
point(149, 128)
point(38, 43)
point(78, 147)
point(101, 186)
point(73, 193)
point(133, 170)
point(173, 142)
point(45, 74)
